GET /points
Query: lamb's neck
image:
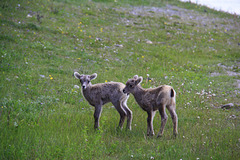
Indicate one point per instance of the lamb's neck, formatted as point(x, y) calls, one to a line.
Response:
point(138, 92)
point(86, 92)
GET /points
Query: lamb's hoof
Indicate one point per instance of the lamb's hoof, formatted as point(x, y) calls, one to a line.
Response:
point(150, 134)
point(175, 135)
point(96, 128)
point(129, 129)
point(159, 136)
point(118, 129)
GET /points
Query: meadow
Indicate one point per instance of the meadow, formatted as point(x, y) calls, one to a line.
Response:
point(43, 114)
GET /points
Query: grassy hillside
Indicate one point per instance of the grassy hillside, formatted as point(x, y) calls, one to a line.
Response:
point(192, 48)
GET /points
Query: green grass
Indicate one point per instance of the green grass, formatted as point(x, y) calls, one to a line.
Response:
point(42, 115)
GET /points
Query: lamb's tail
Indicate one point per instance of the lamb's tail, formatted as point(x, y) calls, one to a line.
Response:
point(172, 93)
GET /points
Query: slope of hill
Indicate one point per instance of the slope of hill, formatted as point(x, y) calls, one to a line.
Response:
point(43, 114)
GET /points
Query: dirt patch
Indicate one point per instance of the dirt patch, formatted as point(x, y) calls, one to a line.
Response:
point(185, 16)
point(197, 19)
point(228, 71)
point(238, 83)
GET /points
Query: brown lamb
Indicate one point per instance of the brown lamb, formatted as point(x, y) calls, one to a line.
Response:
point(153, 99)
point(99, 94)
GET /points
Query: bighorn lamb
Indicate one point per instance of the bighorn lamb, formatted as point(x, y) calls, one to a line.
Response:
point(102, 93)
point(154, 99)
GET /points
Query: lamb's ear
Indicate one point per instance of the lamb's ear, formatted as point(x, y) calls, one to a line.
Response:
point(93, 76)
point(139, 80)
point(77, 75)
point(135, 77)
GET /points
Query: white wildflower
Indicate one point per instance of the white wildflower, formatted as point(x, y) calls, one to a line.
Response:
point(76, 86)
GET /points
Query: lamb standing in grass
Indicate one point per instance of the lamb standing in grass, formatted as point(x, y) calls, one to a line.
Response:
point(154, 99)
point(102, 93)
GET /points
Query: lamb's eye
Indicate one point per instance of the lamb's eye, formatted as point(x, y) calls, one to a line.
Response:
point(88, 81)
point(131, 86)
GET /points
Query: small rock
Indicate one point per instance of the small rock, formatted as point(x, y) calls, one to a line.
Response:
point(233, 116)
point(227, 106)
point(98, 39)
point(119, 45)
point(29, 16)
point(42, 76)
point(149, 42)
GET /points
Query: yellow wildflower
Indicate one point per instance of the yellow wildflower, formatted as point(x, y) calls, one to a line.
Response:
point(51, 78)
point(142, 56)
point(80, 30)
point(79, 58)
point(101, 29)
point(90, 36)
point(106, 81)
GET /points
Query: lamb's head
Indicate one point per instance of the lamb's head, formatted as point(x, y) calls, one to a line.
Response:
point(131, 84)
point(85, 80)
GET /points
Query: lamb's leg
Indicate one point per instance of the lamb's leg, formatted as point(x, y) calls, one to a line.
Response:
point(164, 118)
point(122, 113)
point(150, 131)
point(129, 114)
point(174, 118)
point(97, 114)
